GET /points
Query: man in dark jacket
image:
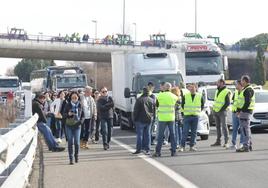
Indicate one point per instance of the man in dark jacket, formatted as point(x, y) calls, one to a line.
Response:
point(246, 104)
point(37, 107)
point(105, 107)
point(143, 116)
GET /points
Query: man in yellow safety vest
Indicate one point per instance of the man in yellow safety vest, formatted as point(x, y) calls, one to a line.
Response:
point(166, 118)
point(192, 105)
point(246, 103)
point(220, 107)
point(235, 119)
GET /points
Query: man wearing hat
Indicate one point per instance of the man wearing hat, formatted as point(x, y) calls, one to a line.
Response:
point(143, 116)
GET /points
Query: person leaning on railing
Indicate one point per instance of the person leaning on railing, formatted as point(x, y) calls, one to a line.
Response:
point(37, 107)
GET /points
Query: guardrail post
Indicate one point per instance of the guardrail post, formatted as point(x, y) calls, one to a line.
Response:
point(28, 103)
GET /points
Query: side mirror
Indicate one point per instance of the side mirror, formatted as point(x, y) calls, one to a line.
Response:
point(225, 63)
point(127, 93)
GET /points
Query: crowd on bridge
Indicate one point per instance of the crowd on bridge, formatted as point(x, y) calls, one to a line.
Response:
point(82, 116)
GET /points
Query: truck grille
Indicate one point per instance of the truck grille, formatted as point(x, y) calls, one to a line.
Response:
point(263, 115)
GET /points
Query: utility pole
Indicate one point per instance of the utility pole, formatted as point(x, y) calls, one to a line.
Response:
point(124, 9)
point(135, 32)
point(95, 21)
point(195, 28)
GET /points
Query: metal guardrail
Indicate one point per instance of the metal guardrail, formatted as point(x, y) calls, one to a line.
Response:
point(17, 151)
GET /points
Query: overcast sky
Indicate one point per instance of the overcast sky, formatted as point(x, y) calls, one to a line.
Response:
point(231, 20)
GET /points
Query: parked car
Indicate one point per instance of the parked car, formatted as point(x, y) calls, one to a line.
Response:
point(259, 118)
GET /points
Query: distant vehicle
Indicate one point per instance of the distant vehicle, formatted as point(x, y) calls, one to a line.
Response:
point(157, 40)
point(131, 72)
point(41, 80)
point(69, 81)
point(25, 86)
point(204, 60)
point(208, 93)
point(259, 118)
point(15, 33)
point(122, 39)
point(9, 83)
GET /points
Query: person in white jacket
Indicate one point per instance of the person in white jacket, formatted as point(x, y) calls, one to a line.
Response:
point(56, 108)
point(90, 114)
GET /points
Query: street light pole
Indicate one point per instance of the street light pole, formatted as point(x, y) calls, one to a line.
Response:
point(95, 21)
point(195, 29)
point(135, 31)
point(124, 9)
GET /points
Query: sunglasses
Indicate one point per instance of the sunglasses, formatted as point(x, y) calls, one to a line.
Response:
point(104, 91)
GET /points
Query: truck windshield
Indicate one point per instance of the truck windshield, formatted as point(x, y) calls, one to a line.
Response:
point(203, 63)
point(9, 83)
point(71, 82)
point(157, 79)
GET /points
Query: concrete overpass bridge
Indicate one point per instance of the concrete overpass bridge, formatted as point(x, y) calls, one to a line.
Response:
point(74, 51)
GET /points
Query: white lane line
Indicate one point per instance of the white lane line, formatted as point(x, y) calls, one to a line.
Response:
point(120, 137)
point(170, 173)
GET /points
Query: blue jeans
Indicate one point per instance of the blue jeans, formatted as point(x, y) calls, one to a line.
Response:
point(49, 138)
point(143, 131)
point(106, 130)
point(85, 131)
point(178, 132)
point(189, 122)
point(73, 135)
point(49, 121)
point(58, 128)
point(162, 125)
point(236, 125)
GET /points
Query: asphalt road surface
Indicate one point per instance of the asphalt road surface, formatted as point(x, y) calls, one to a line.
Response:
point(209, 167)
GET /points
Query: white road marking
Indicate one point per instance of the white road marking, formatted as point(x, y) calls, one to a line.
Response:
point(169, 172)
point(120, 137)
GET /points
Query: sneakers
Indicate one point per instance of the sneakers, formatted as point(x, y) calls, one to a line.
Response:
point(85, 146)
point(82, 144)
point(182, 149)
point(173, 154)
point(156, 155)
point(71, 162)
point(147, 153)
point(165, 143)
point(136, 152)
point(226, 146)
point(58, 149)
point(216, 144)
point(233, 147)
point(58, 140)
point(243, 149)
point(193, 149)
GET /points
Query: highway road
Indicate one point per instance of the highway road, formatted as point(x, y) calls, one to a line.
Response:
point(210, 167)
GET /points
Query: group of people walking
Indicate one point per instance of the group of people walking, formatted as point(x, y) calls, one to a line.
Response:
point(78, 116)
point(177, 110)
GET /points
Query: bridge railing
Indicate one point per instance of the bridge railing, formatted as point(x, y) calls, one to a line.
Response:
point(63, 39)
point(17, 152)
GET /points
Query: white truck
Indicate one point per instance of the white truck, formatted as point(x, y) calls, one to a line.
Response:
point(204, 60)
point(132, 71)
point(9, 83)
point(73, 81)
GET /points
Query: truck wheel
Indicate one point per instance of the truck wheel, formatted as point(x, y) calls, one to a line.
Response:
point(204, 137)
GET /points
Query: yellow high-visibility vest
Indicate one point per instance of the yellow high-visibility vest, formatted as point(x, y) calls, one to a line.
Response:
point(241, 100)
point(166, 108)
point(192, 107)
point(219, 100)
point(235, 101)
